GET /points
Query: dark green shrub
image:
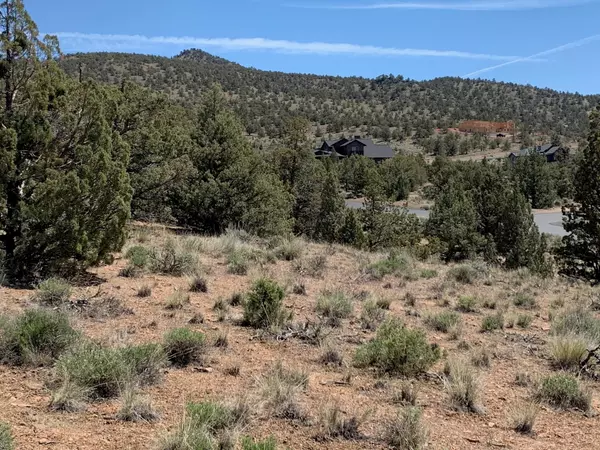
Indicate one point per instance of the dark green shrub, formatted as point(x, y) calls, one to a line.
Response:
point(492, 322)
point(398, 350)
point(564, 391)
point(6, 439)
point(139, 256)
point(35, 337)
point(184, 346)
point(53, 292)
point(443, 321)
point(264, 305)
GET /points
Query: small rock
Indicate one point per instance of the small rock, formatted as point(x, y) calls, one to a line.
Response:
point(204, 369)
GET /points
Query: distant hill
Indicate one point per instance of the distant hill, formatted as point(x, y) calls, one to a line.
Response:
point(388, 107)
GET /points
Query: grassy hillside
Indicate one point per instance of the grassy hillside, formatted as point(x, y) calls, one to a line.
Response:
point(389, 107)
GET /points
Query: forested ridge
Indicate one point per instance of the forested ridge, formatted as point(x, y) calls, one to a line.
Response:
point(388, 107)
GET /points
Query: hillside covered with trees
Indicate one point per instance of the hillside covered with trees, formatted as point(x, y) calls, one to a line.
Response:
point(389, 108)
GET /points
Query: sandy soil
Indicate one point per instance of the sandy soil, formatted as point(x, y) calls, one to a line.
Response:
point(25, 397)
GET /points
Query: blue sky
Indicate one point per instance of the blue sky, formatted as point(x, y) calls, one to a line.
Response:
point(547, 43)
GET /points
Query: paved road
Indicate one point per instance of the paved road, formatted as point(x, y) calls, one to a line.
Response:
point(550, 223)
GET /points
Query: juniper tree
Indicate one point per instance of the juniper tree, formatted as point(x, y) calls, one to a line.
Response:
point(64, 188)
point(331, 213)
point(580, 253)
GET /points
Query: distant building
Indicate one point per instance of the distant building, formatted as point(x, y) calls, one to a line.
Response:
point(553, 153)
point(344, 148)
point(480, 126)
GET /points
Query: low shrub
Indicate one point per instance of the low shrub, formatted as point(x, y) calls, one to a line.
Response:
point(69, 397)
point(567, 351)
point(136, 407)
point(383, 303)
point(173, 259)
point(314, 266)
point(492, 322)
point(330, 356)
point(481, 357)
point(524, 321)
point(279, 389)
point(139, 256)
point(466, 304)
point(465, 274)
point(564, 391)
point(221, 340)
point(238, 262)
point(489, 304)
point(525, 301)
point(577, 321)
point(177, 300)
point(184, 346)
point(428, 274)
point(372, 315)
point(103, 372)
point(407, 394)
point(250, 444)
point(53, 292)
point(35, 337)
point(144, 291)
point(129, 271)
point(392, 265)
point(264, 305)
point(443, 321)
point(522, 417)
point(289, 249)
point(335, 306)
point(236, 299)
point(462, 386)
point(398, 350)
point(6, 439)
point(334, 425)
point(198, 284)
point(406, 431)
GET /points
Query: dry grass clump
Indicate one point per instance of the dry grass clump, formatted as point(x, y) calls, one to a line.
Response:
point(334, 425)
point(289, 249)
point(492, 322)
point(6, 439)
point(396, 263)
point(406, 395)
point(184, 346)
point(462, 386)
point(330, 355)
point(314, 266)
point(198, 284)
point(466, 304)
point(567, 351)
point(173, 259)
point(577, 321)
point(372, 315)
point(522, 417)
point(335, 306)
point(465, 274)
point(406, 431)
point(250, 444)
point(525, 301)
point(144, 291)
point(53, 292)
point(136, 407)
point(177, 300)
point(443, 321)
point(279, 389)
point(481, 357)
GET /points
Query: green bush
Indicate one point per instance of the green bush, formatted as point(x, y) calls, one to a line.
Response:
point(6, 439)
point(524, 320)
point(393, 264)
point(466, 304)
point(335, 306)
point(184, 346)
point(53, 292)
point(564, 391)
point(35, 337)
point(577, 321)
point(211, 416)
point(172, 259)
point(443, 321)
point(250, 444)
point(139, 256)
point(406, 431)
point(237, 262)
point(398, 350)
point(428, 273)
point(465, 274)
point(264, 305)
point(524, 301)
point(105, 371)
point(492, 322)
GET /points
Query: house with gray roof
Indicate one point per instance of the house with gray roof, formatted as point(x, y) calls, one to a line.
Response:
point(344, 148)
point(552, 153)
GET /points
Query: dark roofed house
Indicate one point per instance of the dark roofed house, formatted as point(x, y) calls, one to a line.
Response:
point(344, 148)
point(553, 153)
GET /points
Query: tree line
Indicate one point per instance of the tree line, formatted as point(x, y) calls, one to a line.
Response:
point(80, 158)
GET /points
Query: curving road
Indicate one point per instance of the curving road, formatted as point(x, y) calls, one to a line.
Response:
point(550, 223)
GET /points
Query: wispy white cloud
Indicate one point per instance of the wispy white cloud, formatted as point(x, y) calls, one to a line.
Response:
point(494, 5)
point(87, 42)
point(559, 49)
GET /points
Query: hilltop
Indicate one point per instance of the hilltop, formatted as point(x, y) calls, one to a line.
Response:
point(388, 107)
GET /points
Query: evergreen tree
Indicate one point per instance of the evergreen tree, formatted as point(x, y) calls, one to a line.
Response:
point(580, 254)
point(64, 187)
point(331, 213)
point(355, 172)
point(532, 175)
point(453, 220)
point(351, 232)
